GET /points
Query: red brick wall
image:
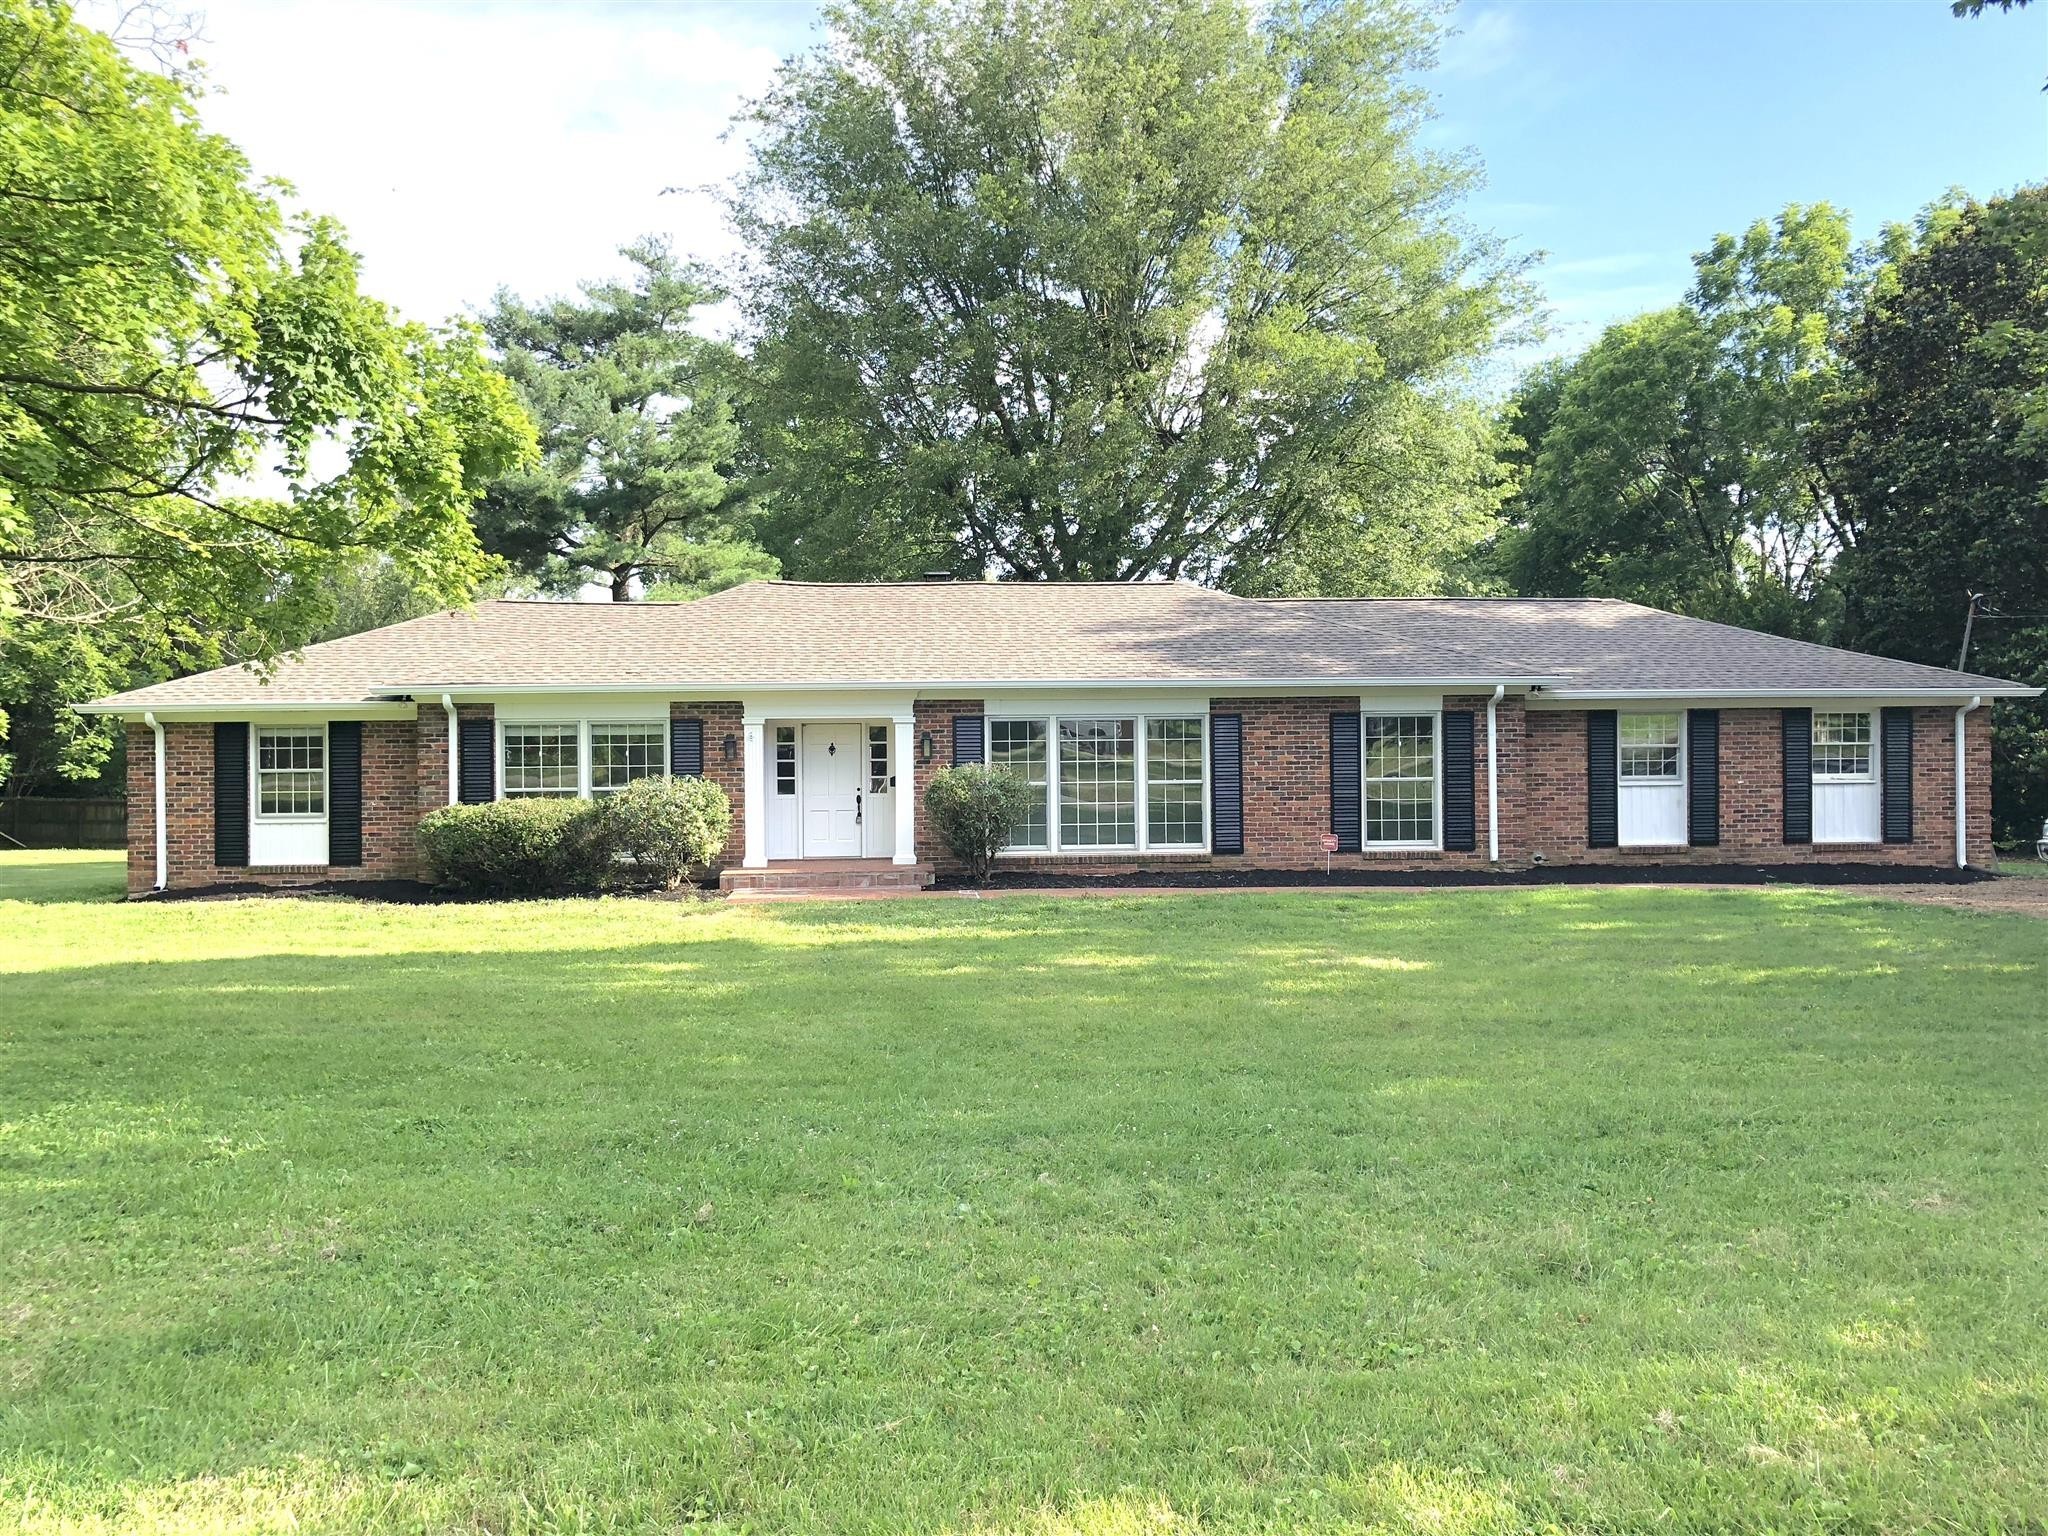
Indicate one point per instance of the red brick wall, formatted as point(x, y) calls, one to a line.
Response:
point(1553, 820)
point(722, 719)
point(936, 716)
point(390, 810)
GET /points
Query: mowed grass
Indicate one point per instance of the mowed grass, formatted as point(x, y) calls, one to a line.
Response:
point(1470, 1211)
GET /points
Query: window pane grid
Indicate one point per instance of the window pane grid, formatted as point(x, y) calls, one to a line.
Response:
point(785, 760)
point(878, 759)
point(1649, 746)
point(1018, 746)
point(1098, 783)
point(619, 754)
point(1173, 782)
point(1842, 745)
point(291, 773)
point(540, 760)
point(1400, 779)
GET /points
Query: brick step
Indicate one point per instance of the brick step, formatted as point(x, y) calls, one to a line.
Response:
point(795, 877)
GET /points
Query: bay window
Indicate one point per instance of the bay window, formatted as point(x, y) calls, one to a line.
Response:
point(1400, 781)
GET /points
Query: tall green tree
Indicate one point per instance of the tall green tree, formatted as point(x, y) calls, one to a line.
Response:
point(167, 332)
point(1109, 289)
point(1673, 462)
point(637, 433)
point(1939, 435)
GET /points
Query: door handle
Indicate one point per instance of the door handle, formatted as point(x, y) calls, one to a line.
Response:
point(856, 807)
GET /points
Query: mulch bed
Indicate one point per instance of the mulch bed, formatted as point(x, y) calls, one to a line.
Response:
point(1410, 879)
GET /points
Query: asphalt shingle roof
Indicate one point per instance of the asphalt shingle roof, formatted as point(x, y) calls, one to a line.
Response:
point(928, 635)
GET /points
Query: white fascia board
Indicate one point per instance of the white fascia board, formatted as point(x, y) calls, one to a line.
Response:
point(1560, 697)
point(973, 687)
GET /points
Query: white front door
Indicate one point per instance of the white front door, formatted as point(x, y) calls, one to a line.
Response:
point(833, 766)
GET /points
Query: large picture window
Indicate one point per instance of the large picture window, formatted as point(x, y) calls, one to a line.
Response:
point(1842, 751)
point(291, 772)
point(1018, 747)
point(541, 760)
point(1173, 783)
point(1400, 780)
point(619, 754)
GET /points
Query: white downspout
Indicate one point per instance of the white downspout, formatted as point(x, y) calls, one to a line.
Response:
point(163, 832)
point(1962, 787)
point(454, 778)
point(1493, 778)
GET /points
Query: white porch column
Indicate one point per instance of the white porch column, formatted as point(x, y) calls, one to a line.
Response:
point(754, 771)
point(905, 757)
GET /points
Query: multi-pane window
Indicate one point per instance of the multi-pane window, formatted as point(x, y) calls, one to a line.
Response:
point(1400, 779)
point(1018, 747)
point(785, 760)
point(540, 760)
point(1173, 782)
point(291, 773)
point(878, 759)
point(1649, 746)
point(619, 754)
point(1098, 783)
point(1842, 746)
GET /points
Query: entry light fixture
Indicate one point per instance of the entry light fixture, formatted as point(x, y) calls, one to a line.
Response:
point(927, 749)
point(730, 746)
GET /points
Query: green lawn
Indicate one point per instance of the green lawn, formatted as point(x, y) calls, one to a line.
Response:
point(1470, 1211)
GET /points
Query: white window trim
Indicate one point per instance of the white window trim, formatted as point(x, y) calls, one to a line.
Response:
point(1658, 780)
point(582, 729)
point(1382, 711)
point(1142, 780)
point(288, 818)
point(1870, 774)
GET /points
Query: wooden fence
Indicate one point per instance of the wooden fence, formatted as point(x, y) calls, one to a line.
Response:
point(99, 822)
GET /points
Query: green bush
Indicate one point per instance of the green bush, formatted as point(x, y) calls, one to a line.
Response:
point(672, 829)
point(518, 847)
point(974, 809)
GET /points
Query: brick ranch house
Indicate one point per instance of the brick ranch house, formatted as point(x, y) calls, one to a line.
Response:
point(1157, 724)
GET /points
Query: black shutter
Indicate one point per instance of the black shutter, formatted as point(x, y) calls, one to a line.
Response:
point(1226, 784)
point(345, 792)
point(1898, 776)
point(1798, 752)
point(966, 739)
point(1461, 821)
point(1703, 777)
point(1344, 782)
point(478, 780)
point(231, 793)
point(686, 749)
point(1603, 784)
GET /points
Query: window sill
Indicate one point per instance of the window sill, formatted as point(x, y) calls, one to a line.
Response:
point(1628, 848)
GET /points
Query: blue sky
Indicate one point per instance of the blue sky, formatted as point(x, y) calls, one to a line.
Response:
point(471, 144)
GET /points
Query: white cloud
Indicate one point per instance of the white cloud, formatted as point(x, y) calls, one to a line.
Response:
point(1482, 43)
point(467, 146)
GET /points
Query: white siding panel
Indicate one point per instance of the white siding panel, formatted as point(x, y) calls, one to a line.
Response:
point(1846, 813)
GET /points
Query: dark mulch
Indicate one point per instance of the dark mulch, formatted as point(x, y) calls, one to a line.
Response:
point(1547, 874)
point(402, 893)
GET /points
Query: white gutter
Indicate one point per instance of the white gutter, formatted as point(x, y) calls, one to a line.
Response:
point(963, 687)
point(1791, 695)
point(1493, 778)
point(163, 832)
point(454, 780)
point(1962, 787)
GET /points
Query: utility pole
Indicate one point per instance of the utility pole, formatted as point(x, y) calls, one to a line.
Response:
point(1969, 622)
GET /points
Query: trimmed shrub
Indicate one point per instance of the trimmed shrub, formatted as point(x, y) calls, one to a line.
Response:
point(974, 809)
point(518, 847)
point(671, 828)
